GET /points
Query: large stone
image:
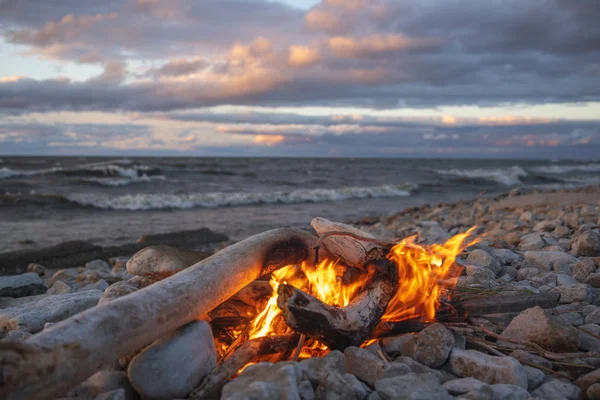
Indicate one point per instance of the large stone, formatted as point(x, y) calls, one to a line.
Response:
point(505, 256)
point(463, 385)
point(412, 387)
point(580, 292)
point(480, 275)
point(582, 269)
point(486, 368)
point(586, 244)
point(532, 241)
point(117, 290)
point(32, 316)
point(265, 381)
point(593, 280)
point(589, 342)
point(557, 388)
point(160, 262)
point(21, 285)
point(174, 365)
point(503, 391)
point(336, 386)
point(315, 369)
point(551, 260)
point(587, 380)
point(429, 347)
point(483, 259)
point(541, 327)
point(593, 317)
point(102, 382)
point(364, 365)
point(593, 392)
point(535, 377)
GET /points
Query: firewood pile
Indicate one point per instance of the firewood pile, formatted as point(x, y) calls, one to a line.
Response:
point(281, 295)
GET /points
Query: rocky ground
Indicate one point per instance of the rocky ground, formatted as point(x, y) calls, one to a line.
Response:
point(533, 243)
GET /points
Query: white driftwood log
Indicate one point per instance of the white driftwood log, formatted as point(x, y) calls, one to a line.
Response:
point(351, 250)
point(58, 358)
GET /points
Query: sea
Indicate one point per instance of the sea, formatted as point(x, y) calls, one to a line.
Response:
point(109, 201)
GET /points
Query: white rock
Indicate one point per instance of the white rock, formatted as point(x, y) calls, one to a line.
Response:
point(32, 316)
point(541, 327)
point(580, 292)
point(582, 269)
point(59, 287)
point(551, 260)
point(364, 365)
point(556, 387)
point(412, 386)
point(589, 342)
point(535, 377)
point(483, 259)
point(509, 392)
point(505, 256)
point(593, 317)
point(174, 365)
point(28, 284)
point(315, 369)
point(463, 385)
point(532, 241)
point(429, 347)
point(265, 381)
point(486, 368)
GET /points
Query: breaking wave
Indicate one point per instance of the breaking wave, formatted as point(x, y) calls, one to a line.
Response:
point(505, 176)
point(563, 169)
point(115, 182)
point(224, 199)
point(123, 169)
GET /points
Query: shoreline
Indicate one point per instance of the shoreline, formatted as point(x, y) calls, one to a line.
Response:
point(398, 225)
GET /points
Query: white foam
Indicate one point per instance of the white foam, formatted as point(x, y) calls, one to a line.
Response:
point(223, 199)
point(114, 182)
point(505, 176)
point(120, 168)
point(563, 169)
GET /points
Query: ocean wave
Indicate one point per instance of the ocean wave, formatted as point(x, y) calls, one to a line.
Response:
point(115, 182)
point(224, 199)
point(115, 168)
point(563, 169)
point(505, 176)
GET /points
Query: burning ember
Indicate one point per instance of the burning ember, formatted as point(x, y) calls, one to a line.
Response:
point(420, 268)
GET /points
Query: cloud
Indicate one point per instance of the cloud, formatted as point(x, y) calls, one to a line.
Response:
point(167, 60)
point(178, 67)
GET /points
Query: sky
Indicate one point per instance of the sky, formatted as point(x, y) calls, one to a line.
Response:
point(329, 78)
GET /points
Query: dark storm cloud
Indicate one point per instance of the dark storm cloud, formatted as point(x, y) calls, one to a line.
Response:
point(374, 53)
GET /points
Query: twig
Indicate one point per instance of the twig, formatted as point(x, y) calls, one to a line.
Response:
point(493, 349)
point(588, 332)
point(539, 350)
point(481, 343)
point(299, 347)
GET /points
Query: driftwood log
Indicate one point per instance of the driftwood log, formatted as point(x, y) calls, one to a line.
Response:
point(354, 247)
point(338, 328)
point(470, 307)
point(78, 347)
point(211, 385)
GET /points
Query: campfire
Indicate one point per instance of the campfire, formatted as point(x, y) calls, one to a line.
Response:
point(336, 301)
point(281, 295)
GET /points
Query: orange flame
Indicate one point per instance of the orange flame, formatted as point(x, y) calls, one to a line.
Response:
point(420, 268)
point(323, 281)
